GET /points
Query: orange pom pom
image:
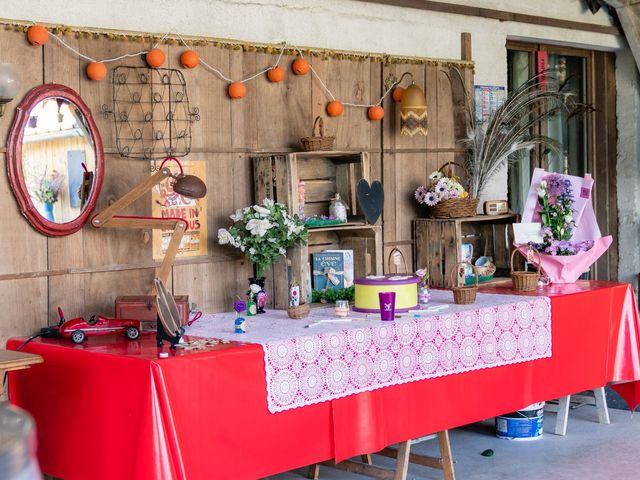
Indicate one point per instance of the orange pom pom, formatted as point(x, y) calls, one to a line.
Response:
point(375, 113)
point(397, 94)
point(335, 108)
point(189, 59)
point(96, 71)
point(237, 90)
point(300, 66)
point(155, 58)
point(37, 35)
point(275, 74)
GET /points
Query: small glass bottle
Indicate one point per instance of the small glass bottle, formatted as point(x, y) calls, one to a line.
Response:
point(338, 209)
point(423, 295)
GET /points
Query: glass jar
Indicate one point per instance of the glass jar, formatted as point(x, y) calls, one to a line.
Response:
point(338, 209)
point(423, 295)
point(342, 308)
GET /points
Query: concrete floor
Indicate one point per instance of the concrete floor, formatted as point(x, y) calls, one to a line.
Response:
point(589, 451)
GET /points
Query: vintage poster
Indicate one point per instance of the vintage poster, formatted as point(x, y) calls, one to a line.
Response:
point(487, 100)
point(167, 204)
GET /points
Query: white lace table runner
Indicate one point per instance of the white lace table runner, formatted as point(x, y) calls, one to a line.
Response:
point(307, 365)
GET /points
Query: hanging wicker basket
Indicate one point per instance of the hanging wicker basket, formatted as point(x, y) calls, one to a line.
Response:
point(525, 281)
point(315, 143)
point(464, 295)
point(299, 312)
point(454, 207)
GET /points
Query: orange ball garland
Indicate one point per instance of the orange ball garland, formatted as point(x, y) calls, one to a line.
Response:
point(37, 35)
point(397, 94)
point(375, 113)
point(155, 58)
point(96, 71)
point(335, 108)
point(300, 66)
point(189, 59)
point(236, 90)
point(275, 74)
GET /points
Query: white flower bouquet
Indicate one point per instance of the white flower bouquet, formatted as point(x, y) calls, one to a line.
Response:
point(263, 232)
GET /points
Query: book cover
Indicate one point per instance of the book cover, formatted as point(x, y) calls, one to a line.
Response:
point(328, 270)
point(347, 267)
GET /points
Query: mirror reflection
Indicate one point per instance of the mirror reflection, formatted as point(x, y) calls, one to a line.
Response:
point(58, 159)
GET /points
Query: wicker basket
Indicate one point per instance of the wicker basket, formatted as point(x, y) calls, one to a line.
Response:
point(299, 312)
point(454, 207)
point(464, 295)
point(315, 143)
point(525, 281)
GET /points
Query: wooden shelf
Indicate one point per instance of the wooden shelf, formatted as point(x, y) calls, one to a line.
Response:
point(325, 173)
point(477, 218)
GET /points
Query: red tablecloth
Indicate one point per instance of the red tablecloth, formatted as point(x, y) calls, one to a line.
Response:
point(110, 409)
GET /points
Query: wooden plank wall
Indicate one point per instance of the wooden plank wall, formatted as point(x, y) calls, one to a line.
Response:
point(84, 272)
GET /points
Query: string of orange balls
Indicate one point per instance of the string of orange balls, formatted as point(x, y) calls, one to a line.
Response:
point(96, 70)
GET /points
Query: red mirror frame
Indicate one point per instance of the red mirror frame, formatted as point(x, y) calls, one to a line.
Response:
point(14, 160)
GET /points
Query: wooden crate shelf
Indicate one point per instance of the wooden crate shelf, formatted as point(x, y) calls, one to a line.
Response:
point(276, 176)
point(438, 243)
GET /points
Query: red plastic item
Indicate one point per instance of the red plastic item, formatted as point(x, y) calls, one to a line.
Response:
point(203, 415)
point(77, 329)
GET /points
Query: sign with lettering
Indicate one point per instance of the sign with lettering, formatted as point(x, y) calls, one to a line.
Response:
point(168, 204)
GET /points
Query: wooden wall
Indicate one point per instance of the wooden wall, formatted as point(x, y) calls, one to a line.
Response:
point(84, 272)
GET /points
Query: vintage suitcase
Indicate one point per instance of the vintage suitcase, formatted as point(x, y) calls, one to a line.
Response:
point(143, 307)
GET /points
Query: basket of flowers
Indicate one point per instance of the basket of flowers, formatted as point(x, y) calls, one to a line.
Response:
point(445, 196)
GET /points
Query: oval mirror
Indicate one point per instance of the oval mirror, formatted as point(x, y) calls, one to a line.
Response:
point(55, 160)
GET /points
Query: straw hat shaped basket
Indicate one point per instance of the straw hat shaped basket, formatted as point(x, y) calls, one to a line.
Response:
point(315, 143)
point(525, 281)
point(454, 207)
point(466, 294)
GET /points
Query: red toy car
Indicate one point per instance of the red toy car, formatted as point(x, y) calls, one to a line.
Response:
point(77, 329)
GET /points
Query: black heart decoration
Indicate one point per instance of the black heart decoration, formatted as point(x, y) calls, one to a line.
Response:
point(370, 199)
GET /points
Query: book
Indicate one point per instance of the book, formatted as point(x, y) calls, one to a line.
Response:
point(332, 269)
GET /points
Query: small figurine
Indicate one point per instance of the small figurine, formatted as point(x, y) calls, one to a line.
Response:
point(261, 300)
point(240, 326)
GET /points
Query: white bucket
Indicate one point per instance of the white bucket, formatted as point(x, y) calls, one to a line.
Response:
point(525, 424)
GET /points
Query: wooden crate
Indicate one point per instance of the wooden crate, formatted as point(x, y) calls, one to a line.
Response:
point(438, 243)
point(276, 176)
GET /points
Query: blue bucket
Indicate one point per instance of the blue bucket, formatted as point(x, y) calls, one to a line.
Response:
point(525, 424)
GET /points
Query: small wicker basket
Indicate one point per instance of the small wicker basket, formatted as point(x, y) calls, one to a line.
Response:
point(454, 207)
point(299, 312)
point(525, 281)
point(464, 295)
point(315, 143)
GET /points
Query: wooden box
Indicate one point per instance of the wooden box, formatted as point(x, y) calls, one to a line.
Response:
point(143, 308)
point(438, 243)
point(277, 175)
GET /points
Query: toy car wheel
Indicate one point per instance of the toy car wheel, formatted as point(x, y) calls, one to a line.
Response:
point(78, 336)
point(132, 333)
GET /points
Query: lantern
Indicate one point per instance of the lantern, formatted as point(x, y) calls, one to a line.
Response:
point(413, 112)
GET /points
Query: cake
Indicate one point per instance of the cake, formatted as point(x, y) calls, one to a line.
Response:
point(367, 289)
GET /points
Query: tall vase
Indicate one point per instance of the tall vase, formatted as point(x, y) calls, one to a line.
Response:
point(48, 211)
point(257, 293)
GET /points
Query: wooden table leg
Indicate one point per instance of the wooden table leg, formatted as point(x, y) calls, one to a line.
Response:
point(445, 455)
point(366, 458)
point(402, 463)
point(314, 471)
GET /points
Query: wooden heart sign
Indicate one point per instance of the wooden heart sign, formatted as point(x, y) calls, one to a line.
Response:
point(370, 199)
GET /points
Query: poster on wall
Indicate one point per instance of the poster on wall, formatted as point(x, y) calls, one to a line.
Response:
point(168, 204)
point(487, 100)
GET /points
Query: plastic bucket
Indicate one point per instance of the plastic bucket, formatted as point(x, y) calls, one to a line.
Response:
point(525, 424)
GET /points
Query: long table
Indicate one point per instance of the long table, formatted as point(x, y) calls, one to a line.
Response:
point(111, 409)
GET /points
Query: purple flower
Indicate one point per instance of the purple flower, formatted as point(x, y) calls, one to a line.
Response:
point(556, 184)
point(420, 193)
point(431, 199)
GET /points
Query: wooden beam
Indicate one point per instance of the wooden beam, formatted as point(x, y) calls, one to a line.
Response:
point(499, 15)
